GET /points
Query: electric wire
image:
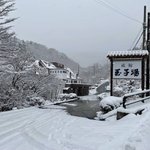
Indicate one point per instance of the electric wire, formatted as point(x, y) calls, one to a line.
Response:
point(123, 13)
point(117, 10)
point(136, 39)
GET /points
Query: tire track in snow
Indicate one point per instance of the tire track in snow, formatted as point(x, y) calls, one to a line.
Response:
point(33, 135)
point(14, 126)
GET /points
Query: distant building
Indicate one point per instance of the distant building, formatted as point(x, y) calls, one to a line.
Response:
point(59, 72)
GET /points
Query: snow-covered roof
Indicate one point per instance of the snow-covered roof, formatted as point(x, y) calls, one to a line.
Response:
point(48, 65)
point(44, 63)
point(133, 53)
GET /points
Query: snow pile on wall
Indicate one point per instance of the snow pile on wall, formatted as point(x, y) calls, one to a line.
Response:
point(109, 103)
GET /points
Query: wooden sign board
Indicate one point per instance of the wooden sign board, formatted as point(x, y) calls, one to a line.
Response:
point(129, 65)
point(127, 69)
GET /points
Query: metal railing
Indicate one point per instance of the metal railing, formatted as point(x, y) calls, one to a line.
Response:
point(144, 96)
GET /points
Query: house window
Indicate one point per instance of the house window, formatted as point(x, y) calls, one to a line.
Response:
point(75, 81)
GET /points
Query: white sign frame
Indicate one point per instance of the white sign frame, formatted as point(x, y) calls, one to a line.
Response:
point(127, 69)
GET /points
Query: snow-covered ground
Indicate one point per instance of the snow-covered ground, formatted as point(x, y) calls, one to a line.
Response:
point(54, 129)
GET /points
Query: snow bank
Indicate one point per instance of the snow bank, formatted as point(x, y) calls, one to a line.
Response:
point(139, 138)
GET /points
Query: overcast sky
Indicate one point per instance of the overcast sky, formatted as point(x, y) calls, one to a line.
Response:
point(85, 30)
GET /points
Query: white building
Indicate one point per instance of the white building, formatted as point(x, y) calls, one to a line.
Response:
point(65, 74)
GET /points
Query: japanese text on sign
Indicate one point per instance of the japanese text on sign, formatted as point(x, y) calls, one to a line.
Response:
point(127, 69)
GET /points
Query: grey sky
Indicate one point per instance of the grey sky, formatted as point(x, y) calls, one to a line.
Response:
point(83, 29)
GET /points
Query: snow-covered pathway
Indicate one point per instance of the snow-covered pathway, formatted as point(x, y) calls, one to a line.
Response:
point(54, 129)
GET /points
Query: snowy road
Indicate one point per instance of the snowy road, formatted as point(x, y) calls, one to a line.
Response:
point(54, 129)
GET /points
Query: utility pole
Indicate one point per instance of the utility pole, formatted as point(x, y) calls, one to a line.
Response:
point(77, 75)
point(148, 32)
point(144, 30)
point(148, 48)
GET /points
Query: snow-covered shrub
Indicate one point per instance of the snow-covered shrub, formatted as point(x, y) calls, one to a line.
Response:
point(34, 101)
point(109, 103)
point(67, 96)
point(5, 107)
point(72, 95)
point(118, 91)
point(122, 87)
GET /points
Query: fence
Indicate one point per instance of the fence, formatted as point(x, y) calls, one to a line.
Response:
point(144, 96)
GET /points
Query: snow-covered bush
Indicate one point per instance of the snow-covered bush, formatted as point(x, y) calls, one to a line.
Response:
point(109, 103)
point(122, 87)
point(5, 107)
point(118, 91)
point(72, 95)
point(34, 101)
point(67, 96)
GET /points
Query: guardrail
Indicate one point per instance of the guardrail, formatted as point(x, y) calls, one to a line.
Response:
point(143, 93)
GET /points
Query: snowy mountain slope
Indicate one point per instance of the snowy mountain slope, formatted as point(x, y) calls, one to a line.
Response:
point(54, 129)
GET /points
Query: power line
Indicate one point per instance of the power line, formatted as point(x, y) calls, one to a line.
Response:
point(137, 39)
point(137, 36)
point(117, 10)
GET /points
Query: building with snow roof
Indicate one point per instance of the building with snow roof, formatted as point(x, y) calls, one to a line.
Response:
point(58, 70)
point(73, 84)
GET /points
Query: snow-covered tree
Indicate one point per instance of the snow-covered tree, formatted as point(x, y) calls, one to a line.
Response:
point(18, 78)
point(6, 50)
